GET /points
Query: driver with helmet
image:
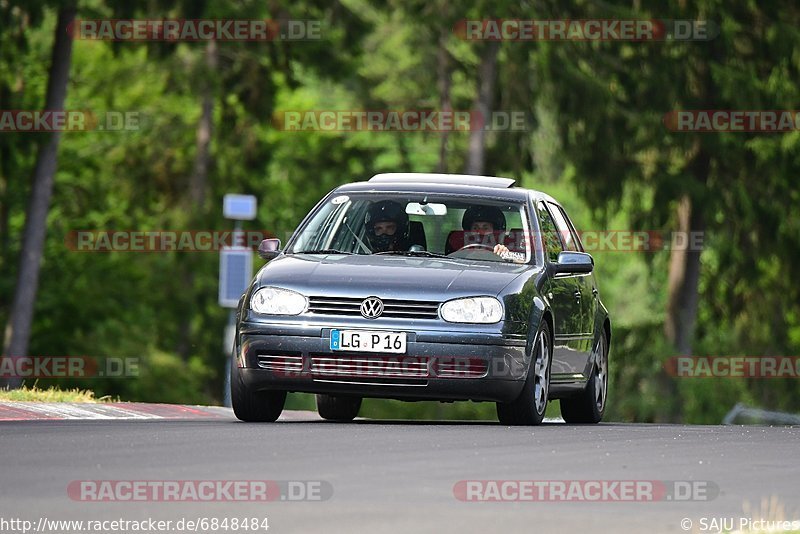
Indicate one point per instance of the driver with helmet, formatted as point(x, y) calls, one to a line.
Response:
point(387, 226)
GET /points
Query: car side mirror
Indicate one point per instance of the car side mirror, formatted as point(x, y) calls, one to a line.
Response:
point(269, 249)
point(574, 263)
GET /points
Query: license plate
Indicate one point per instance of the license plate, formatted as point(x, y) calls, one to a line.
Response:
point(368, 341)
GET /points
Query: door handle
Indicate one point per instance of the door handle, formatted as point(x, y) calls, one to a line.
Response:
point(577, 295)
point(594, 292)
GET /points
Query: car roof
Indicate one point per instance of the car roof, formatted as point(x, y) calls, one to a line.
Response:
point(453, 179)
point(457, 184)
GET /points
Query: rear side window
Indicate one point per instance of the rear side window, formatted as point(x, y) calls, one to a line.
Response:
point(568, 237)
point(550, 239)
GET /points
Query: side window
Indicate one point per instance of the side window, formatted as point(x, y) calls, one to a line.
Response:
point(552, 244)
point(564, 229)
point(575, 235)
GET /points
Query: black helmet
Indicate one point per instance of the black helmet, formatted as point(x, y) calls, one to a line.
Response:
point(484, 214)
point(386, 211)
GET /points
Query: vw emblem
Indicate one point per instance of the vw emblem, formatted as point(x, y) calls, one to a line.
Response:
point(372, 308)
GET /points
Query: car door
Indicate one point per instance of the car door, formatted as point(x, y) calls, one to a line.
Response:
point(585, 282)
point(564, 297)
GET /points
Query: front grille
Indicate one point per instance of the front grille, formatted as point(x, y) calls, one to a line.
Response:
point(284, 363)
point(369, 367)
point(364, 381)
point(392, 308)
point(460, 368)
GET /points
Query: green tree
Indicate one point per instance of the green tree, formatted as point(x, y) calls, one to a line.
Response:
point(18, 328)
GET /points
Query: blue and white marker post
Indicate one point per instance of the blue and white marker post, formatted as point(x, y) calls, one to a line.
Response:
point(235, 272)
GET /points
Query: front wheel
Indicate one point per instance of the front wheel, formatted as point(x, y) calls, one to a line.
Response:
point(529, 407)
point(590, 405)
point(338, 407)
point(254, 406)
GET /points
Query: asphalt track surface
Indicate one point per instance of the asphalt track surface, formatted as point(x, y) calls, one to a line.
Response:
point(391, 476)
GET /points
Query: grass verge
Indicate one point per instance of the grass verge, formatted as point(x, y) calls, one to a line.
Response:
point(51, 394)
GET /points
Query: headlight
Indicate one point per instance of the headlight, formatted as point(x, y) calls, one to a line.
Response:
point(472, 310)
point(275, 301)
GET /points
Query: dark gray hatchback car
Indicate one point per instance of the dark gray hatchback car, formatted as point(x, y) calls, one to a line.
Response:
point(426, 287)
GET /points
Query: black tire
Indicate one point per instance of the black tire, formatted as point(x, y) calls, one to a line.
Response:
point(254, 406)
point(338, 407)
point(589, 406)
point(525, 410)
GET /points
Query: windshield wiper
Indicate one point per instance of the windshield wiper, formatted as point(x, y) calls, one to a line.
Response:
point(423, 253)
point(325, 251)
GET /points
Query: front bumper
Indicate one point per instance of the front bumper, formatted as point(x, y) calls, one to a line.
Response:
point(438, 365)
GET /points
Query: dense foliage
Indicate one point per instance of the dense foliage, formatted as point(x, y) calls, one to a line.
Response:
point(594, 139)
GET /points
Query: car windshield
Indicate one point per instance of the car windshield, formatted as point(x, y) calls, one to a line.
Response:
point(417, 225)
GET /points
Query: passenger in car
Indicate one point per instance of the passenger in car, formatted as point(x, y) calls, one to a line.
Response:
point(485, 222)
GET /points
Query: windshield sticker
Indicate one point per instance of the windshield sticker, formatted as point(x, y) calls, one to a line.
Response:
point(516, 257)
point(340, 200)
